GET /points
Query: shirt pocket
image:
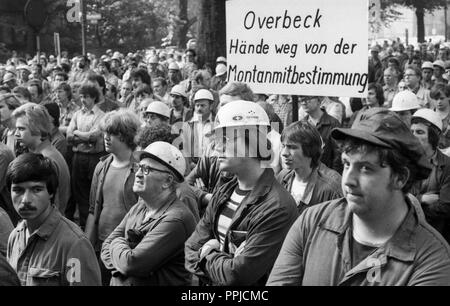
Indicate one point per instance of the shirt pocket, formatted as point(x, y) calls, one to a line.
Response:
point(236, 240)
point(43, 277)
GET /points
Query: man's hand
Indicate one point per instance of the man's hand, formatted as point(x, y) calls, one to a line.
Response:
point(212, 244)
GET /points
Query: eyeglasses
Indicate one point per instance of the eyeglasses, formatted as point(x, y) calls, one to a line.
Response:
point(410, 75)
point(147, 169)
point(307, 99)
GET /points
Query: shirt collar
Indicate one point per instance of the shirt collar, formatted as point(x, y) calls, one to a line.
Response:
point(49, 225)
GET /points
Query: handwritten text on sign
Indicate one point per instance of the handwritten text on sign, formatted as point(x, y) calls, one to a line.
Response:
point(308, 47)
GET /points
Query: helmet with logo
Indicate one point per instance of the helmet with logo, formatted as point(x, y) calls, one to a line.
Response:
point(158, 108)
point(430, 116)
point(167, 155)
point(404, 100)
point(241, 113)
point(203, 94)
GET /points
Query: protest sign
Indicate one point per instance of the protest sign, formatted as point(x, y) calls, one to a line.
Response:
point(308, 47)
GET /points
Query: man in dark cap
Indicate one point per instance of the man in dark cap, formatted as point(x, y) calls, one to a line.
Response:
point(377, 233)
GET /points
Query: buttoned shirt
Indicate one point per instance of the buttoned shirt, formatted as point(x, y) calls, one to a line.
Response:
point(389, 93)
point(56, 254)
point(85, 120)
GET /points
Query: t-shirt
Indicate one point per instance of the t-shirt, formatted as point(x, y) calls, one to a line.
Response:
point(298, 190)
point(114, 208)
point(227, 213)
point(360, 251)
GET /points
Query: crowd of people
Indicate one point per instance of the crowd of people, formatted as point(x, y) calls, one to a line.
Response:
point(145, 169)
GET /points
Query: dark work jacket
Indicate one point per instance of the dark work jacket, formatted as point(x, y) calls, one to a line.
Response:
point(317, 252)
point(324, 184)
point(330, 156)
point(261, 220)
point(438, 214)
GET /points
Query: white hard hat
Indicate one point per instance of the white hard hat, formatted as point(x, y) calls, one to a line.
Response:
point(430, 116)
point(427, 65)
point(179, 90)
point(174, 66)
point(159, 108)
point(8, 77)
point(221, 59)
point(24, 67)
point(439, 63)
point(153, 60)
point(241, 113)
point(166, 154)
point(404, 100)
point(203, 94)
point(221, 69)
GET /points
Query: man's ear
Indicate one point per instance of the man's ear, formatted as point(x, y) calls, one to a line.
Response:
point(400, 179)
point(169, 181)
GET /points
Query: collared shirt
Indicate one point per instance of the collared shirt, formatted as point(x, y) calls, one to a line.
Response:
point(323, 184)
point(389, 93)
point(317, 251)
point(85, 120)
point(56, 254)
point(199, 129)
point(154, 254)
point(67, 112)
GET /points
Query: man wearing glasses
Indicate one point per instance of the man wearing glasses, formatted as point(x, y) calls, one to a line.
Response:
point(146, 248)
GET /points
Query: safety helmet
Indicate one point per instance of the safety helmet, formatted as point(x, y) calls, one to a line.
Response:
point(404, 100)
point(430, 116)
point(166, 154)
point(221, 69)
point(153, 60)
point(179, 90)
point(174, 66)
point(440, 64)
point(203, 94)
point(221, 59)
point(158, 108)
point(241, 113)
point(427, 65)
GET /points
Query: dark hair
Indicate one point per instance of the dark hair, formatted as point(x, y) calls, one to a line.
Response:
point(144, 88)
point(387, 157)
point(23, 91)
point(5, 88)
point(54, 112)
point(356, 104)
point(143, 75)
point(150, 134)
point(113, 90)
point(378, 92)
point(65, 67)
point(162, 80)
point(106, 64)
point(32, 167)
point(66, 87)
point(63, 74)
point(437, 89)
point(89, 90)
point(37, 84)
point(308, 137)
point(93, 77)
point(433, 132)
point(191, 50)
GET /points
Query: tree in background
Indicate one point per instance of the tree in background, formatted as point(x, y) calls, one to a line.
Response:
point(420, 7)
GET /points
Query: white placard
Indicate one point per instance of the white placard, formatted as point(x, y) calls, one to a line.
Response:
point(307, 47)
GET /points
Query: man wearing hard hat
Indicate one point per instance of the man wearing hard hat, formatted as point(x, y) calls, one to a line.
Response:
point(244, 225)
point(146, 248)
point(433, 192)
point(219, 80)
point(157, 113)
point(405, 103)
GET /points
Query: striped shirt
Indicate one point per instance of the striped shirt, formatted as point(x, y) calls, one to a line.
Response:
point(227, 213)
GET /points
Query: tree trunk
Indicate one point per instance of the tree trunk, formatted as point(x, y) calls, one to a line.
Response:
point(420, 12)
point(212, 32)
point(182, 39)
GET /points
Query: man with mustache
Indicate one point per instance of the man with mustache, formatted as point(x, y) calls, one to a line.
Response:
point(45, 248)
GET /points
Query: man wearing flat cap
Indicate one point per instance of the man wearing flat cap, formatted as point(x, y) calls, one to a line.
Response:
point(377, 233)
